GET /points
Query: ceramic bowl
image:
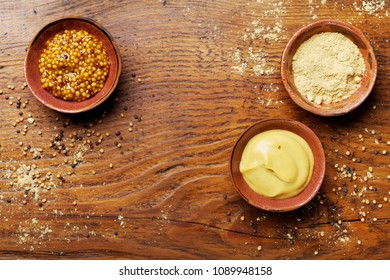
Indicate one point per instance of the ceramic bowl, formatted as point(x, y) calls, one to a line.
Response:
point(270, 204)
point(368, 80)
point(36, 47)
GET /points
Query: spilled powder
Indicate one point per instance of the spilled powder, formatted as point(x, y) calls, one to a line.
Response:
point(28, 179)
point(328, 68)
point(370, 7)
point(32, 233)
point(266, 31)
point(239, 63)
point(312, 6)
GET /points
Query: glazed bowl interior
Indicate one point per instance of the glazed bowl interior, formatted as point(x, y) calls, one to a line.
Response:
point(367, 82)
point(270, 204)
point(36, 47)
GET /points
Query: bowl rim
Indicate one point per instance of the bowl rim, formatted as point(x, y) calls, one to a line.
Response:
point(288, 204)
point(298, 99)
point(98, 101)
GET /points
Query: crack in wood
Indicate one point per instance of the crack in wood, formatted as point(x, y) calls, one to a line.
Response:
point(165, 170)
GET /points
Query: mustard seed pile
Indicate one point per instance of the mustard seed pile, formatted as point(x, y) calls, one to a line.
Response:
point(74, 65)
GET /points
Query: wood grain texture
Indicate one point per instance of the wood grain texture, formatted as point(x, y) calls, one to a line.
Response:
point(168, 194)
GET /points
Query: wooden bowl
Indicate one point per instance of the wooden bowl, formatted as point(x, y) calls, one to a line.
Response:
point(36, 47)
point(270, 204)
point(368, 80)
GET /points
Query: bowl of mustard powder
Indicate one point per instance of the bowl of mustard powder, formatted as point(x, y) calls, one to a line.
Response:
point(328, 68)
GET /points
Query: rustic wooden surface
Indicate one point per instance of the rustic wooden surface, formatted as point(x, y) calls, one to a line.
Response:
point(189, 88)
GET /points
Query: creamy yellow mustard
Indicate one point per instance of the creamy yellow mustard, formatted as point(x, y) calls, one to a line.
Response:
point(277, 164)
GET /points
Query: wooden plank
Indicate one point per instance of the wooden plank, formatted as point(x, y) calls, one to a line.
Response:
point(190, 85)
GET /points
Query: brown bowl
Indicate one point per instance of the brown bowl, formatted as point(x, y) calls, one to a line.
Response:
point(368, 80)
point(36, 47)
point(270, 204)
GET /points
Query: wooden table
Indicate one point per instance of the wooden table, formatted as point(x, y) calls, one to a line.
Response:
point(195, 75)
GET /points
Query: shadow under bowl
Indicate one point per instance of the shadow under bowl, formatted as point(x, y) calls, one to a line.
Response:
point(270, 204)
point(36, 47)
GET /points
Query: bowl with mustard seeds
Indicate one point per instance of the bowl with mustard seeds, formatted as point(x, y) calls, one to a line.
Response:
point(328, 68)
point(72, 65)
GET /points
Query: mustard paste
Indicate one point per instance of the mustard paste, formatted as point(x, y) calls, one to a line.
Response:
point(277, 164)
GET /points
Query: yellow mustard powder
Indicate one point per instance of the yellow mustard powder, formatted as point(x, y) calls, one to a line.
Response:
point(328, 68)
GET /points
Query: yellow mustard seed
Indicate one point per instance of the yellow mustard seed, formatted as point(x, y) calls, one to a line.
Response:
point(74, 65)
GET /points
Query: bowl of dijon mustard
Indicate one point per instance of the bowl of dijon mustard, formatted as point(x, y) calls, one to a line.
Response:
point(278, 165)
